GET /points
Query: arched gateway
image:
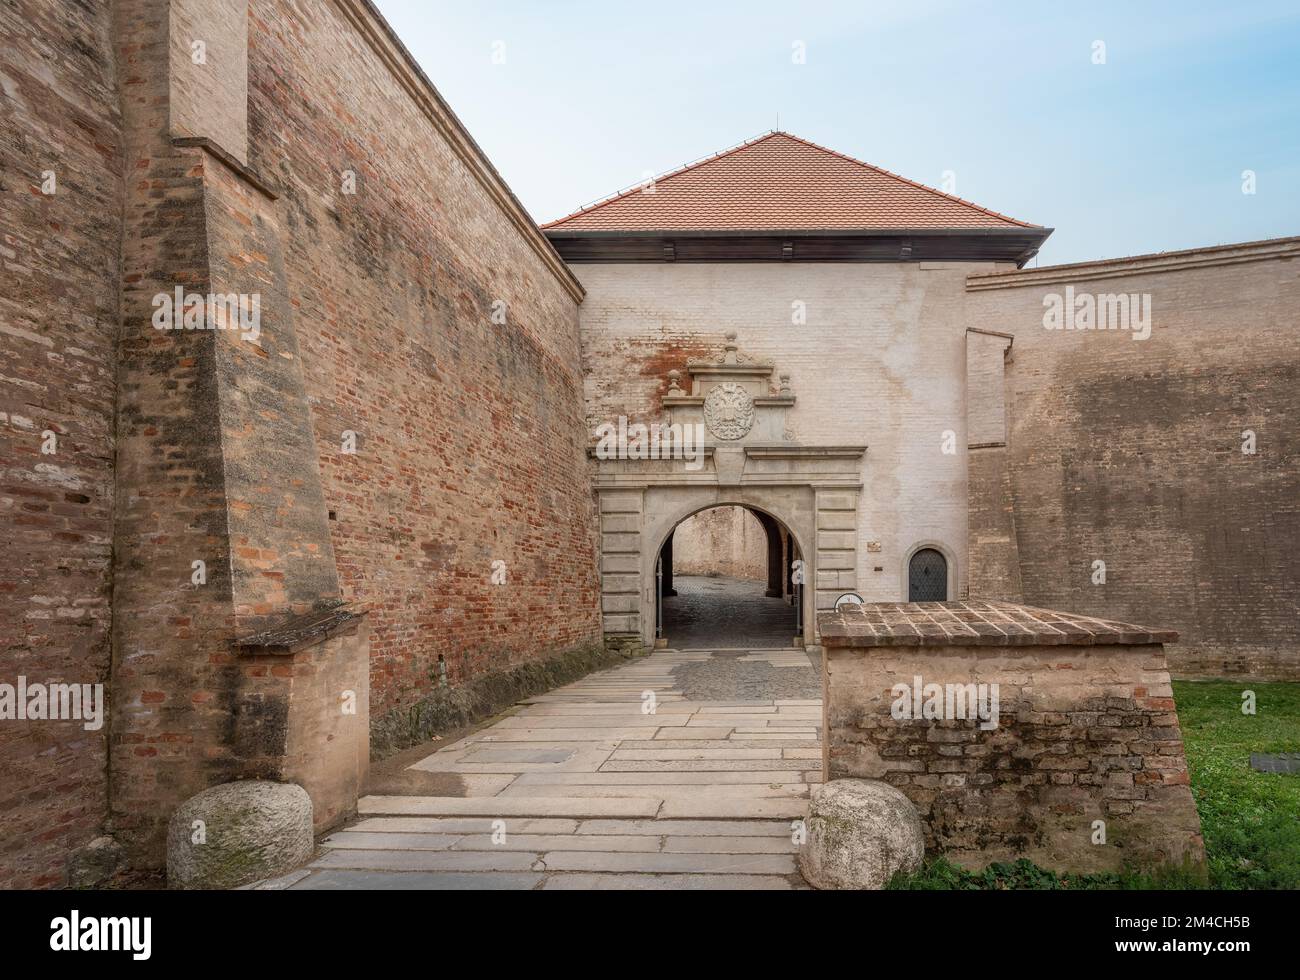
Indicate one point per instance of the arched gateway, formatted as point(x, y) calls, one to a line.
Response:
point(647, 487)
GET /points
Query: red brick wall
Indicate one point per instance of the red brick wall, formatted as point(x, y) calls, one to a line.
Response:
point(469, 433)
point(61, 261)
point(377, 317)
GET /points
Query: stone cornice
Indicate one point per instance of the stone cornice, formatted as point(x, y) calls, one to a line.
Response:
point(792, 452)
point(1138, 265)
point(377, 32)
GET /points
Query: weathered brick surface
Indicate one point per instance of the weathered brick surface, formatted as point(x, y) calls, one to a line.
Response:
point(376, 317)
point(1083, 733)
point(61, 260)
point(176, 680)
point(469, 432)
point(1130, 452)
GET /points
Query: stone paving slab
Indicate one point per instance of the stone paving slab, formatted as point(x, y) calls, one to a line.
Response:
point(660, 791)
point(542, 843)
point(773, 864)
point(559, 736)
point(801, 739)
point(677, 882)
point(594, 793)
point(681, 828)
point(695, 732)
point(462, 825)
point(629, 720)
point(731, 845)
point(700, 765)
point(366, 880)
point(671, 755)
point(780, 741)
point(497, 806)
point(565, 779)
point(537, 758)
point(277, 884)
point(551, 755)
point(734, 809)
point(497, 860)
point(391, 841)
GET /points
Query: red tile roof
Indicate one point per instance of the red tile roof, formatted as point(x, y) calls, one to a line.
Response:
point(780, 182)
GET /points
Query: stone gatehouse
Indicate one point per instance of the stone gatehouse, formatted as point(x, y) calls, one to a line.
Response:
point(385, 484)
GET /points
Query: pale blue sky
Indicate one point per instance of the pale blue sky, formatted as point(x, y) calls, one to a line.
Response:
point(1144, 153)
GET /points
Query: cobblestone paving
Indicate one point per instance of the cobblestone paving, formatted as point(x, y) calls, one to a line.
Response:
point(749, 675)
point(713, 613)
point(585, 787)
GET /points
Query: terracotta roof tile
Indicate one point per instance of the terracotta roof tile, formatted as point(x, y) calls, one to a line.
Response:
point(780, 182)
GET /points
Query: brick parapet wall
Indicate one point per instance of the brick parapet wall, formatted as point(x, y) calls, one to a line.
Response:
point(1086, 731)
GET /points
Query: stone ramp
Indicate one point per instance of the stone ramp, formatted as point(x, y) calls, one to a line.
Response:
point(616, 781)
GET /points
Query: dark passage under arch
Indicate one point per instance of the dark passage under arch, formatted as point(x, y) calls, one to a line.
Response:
point(720, 592)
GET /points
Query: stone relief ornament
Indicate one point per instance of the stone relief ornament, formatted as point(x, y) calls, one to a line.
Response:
point(729, 411)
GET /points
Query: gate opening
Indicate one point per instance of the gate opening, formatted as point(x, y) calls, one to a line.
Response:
point(726, 580)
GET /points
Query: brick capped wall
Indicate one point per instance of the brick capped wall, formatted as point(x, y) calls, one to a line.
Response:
point(1085, 730)
point(1130, 451)
point(61, 260)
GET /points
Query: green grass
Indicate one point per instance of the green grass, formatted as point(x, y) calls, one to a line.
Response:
point(1250, 820)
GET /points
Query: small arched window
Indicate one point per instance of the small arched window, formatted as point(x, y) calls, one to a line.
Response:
point(927, 577)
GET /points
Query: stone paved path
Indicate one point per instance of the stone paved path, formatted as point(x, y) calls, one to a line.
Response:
point(580, 788)
point(718, 611)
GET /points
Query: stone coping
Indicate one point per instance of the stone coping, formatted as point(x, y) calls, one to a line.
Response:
point(297, 633)
point(976, 622)
point(1137, 265)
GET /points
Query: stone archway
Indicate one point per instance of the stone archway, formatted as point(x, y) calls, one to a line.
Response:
point(744, 456)
point(751, 616)
point(636, 520)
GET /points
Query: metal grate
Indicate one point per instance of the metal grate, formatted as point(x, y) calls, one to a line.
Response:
point(927, 577)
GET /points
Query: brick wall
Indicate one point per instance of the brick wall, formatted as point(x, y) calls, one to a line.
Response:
point(61, 260)
point(993, 555)
point(424, 313)
point(1082, 733)
point(1130, 452)
point(721, 541)
point(469, 436)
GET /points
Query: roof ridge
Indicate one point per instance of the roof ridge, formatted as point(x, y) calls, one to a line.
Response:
point(684, 168)
point(908, 180)
point(884, 189)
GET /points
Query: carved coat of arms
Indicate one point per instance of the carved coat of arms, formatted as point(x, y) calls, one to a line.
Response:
point(729, 411)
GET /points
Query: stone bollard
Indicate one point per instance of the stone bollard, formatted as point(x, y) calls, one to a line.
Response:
point(237, 833)
point(860, 832)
